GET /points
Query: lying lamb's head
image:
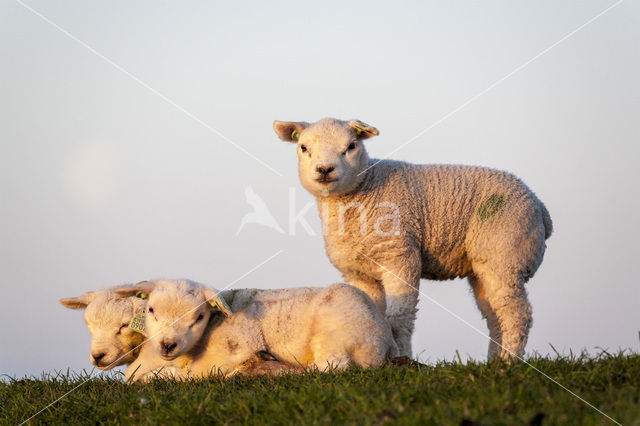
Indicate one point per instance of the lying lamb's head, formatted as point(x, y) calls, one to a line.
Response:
point(177, 313)
point(108, 316)
point(331, 155)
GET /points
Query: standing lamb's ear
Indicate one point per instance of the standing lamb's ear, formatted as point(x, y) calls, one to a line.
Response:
point(142, 290)
point(215, 299)
point(289, 131)
point(79, 302)
point(363, 130)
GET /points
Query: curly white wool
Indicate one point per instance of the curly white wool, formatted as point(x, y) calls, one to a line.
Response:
point(442, 222)
point(333, 327)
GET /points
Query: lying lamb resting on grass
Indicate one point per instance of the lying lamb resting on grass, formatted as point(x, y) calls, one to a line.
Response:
point(108, 316)
point(389, 223)
point(115, 340)
point(318, 328)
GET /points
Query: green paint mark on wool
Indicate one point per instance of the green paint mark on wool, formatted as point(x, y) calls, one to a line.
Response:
point(491, 206)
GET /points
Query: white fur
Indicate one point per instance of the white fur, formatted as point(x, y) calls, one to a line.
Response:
point(389, 223)
point(107, 316)
point(310, 327)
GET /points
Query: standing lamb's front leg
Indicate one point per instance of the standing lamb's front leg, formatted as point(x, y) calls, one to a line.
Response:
point(401, 282)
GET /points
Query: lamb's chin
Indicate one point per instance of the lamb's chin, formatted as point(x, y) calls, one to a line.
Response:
point(106, 367)
point(324, 189)
point(169, 357)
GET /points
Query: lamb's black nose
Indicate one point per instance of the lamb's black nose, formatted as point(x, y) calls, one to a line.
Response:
point(167, 347)
point(325, 170)
point(97, 356)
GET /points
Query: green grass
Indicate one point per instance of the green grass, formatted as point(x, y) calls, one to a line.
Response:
point(445, 393)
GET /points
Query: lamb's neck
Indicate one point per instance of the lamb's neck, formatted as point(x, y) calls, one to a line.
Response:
point(201, 346)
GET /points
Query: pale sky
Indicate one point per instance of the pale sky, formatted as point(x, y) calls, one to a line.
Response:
point(103, 181)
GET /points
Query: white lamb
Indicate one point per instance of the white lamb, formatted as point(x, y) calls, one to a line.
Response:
point(389, 223)
point(308, 327)
point(117, 340)
point(108, 316)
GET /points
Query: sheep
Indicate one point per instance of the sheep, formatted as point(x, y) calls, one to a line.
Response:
point(303, 327)
point(387, 224)
point(108, 316)
point(118, 339)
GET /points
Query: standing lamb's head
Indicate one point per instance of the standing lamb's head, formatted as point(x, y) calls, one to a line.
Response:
point(177, 313)
point(108, 316)
point(331, 155)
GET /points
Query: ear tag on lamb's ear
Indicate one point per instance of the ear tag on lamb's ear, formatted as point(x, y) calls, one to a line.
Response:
point(140, 294)
point(220, 304)
point(137, 322)
point(295, 135)
point(361, 127)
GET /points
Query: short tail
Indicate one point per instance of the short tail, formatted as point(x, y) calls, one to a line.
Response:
point(546, 220)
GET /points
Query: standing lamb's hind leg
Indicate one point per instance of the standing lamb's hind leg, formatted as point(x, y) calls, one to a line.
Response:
point(503, 302)
point(487, 313)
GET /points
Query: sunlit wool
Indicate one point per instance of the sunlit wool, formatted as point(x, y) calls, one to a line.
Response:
point(335, 327)
point(442, 222)
point(107, 316)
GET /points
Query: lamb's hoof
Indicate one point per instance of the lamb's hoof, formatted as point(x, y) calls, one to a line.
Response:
point(405, 361)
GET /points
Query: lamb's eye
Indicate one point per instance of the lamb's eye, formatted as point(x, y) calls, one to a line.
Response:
point(122, 327)
point(351, 147)
point(150, 310)
point(303, 148)
point(200, 317)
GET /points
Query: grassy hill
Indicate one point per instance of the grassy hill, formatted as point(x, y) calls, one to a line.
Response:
point(445, 393)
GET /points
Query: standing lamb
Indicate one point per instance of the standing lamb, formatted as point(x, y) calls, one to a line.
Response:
point(303, 327)
point(389, 223)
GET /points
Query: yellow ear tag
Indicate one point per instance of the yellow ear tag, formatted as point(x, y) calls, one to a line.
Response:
point(137, 322)
point(295, 135)
point(140, 294)
point(362, 127)
point(221, 305)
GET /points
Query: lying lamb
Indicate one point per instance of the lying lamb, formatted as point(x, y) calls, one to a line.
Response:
point(308, 327)
point(118, 335)
point(389, 223)
point(108, 316)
